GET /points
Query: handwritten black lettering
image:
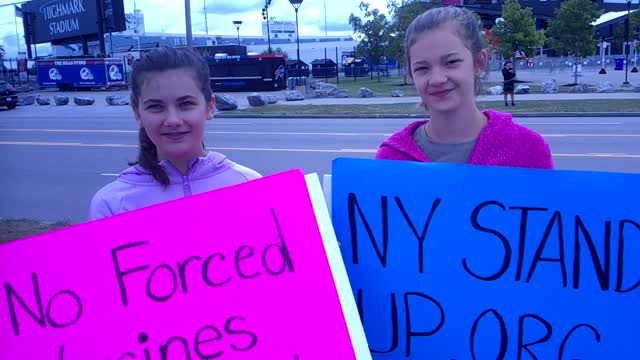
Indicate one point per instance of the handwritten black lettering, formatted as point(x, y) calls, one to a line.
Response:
point(504, 337)
point(407, 307)
point(506, 258)
point(595, 332)
point(420, 237)
point(556, 219)
point(205, 270)
point(621, 239)
point(521, 331)
point(524, 216)
point(602, 270)
point(283, 251)
point(164, 349)
point(394, 321)
point(120, 274)
point(352, 206)
point(230, 331)
point(11, 294)
point(182, 268)
point(198, 342)
point(174, 285)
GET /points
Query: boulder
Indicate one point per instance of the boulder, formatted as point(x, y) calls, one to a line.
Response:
point(272, 99)
point(494, 90)
point(523, 89)
point(579, 89)
point(550, 87)
point(341, 93)
point(365, 93)
point(43, 100)
point(83, 101)
point(294, 95)
point(226, 102)
point(61, 100)
point(397, 93)
point(257, 99)
point(117, 100)
point(25, 100)
point(605, 87)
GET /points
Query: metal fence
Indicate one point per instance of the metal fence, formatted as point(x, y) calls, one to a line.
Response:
point(19, 72)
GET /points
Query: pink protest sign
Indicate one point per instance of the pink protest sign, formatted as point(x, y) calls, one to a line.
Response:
point(238, 273)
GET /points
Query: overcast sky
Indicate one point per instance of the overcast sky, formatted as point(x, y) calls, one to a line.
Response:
point(168, 16)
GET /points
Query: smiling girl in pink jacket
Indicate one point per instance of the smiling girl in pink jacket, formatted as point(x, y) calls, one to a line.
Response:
point(446, 57)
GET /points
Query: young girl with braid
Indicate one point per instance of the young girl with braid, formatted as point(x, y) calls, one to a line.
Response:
point(172, 101)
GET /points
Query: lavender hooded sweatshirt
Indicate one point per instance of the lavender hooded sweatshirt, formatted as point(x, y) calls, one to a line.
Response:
point(501, 143)
point(136, 188)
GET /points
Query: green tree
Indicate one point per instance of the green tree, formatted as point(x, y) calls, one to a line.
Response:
point(518, 27)
point(402, 14)
point(634, 29)
point(276, 51)
point(374, 31)
point(573, 33)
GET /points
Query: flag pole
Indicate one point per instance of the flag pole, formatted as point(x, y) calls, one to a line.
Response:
point(15, 21)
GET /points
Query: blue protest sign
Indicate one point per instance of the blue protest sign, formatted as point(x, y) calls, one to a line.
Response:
point(467, 262)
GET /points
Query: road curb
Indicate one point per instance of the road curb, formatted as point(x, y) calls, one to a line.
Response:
point(417, 116)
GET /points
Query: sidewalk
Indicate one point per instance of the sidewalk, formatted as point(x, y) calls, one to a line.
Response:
point(100, 96)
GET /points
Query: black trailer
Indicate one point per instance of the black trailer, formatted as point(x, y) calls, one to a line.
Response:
point(247, 73)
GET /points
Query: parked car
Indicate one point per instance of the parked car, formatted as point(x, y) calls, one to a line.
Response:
point(8, 96)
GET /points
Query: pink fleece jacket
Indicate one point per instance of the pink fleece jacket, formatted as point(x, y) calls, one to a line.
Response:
point(501, 143)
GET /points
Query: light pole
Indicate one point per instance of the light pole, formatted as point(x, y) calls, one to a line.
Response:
point(626, 43)
point(237, 23)
point(265, 16)
point(296, 5)
point(187, 17)
point(206, 25)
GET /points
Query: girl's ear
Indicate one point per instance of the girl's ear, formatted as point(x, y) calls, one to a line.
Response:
point(481, 62)
point(211, 107)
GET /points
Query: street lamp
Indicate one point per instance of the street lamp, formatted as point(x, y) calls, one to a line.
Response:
point(626, 43)
point(265, 16)
point(296, 5)
point(237, 23)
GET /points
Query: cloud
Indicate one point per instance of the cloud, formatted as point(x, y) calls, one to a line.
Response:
point(231, 7)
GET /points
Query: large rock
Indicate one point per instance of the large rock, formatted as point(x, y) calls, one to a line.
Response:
point(272, 99)
point(226, 102)
point(605, 87)
point(397, 93)
point(341, 93)
point(117, 100)
point(25, 100)
point(43, 100)
point(550, 86)
point(494, 90)
point(579, 89)
point(321, 85)
point(256, 99)
point(365, 93)
point(61, 100)
point(83, 101)
point(320, 93)
point(294, 95)
point(523, 89)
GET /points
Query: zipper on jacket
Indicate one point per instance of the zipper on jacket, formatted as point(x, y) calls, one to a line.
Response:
point(186, 185)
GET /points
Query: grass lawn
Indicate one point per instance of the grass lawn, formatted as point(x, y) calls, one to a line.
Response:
point(600, 105)
point(12, 229)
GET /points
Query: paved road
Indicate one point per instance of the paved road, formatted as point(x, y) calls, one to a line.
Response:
point(52, 162)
